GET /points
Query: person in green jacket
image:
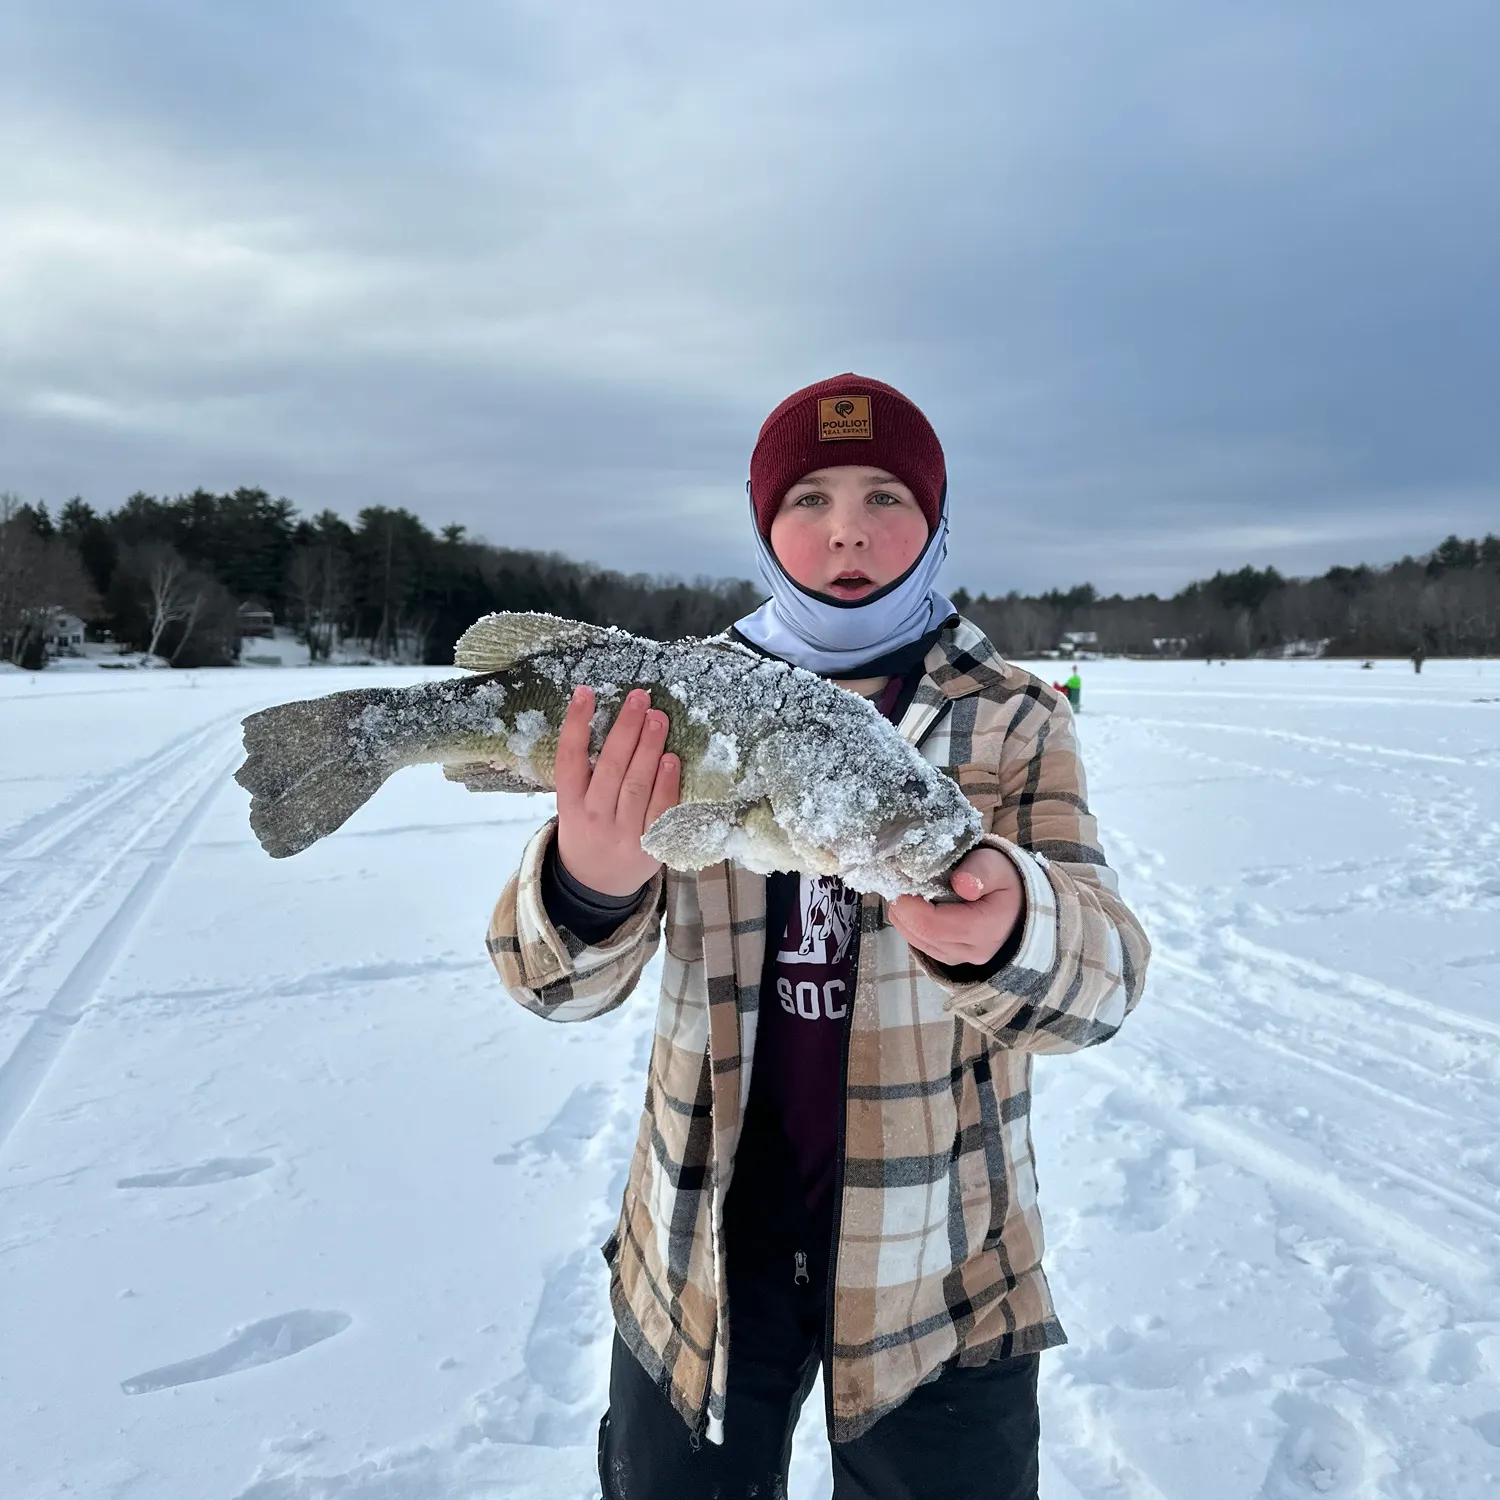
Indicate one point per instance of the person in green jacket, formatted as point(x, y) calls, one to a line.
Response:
point(1074, 688)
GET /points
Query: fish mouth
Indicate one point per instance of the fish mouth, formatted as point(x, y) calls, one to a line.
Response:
point(851, 584)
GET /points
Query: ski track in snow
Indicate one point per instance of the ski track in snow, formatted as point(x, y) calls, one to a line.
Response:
point(83, 855)
point(1273, 1202)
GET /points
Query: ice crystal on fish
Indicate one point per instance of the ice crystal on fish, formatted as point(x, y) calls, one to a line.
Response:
point(530, 726)
point(722, 755)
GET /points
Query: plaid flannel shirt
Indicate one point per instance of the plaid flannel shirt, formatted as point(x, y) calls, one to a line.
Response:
point(939, 1241)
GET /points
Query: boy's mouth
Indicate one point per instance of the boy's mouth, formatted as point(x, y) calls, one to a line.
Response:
point(851, 585)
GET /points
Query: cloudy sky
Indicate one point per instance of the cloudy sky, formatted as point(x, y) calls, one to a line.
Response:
point(1182, 284)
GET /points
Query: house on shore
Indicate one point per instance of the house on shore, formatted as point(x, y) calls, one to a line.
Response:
point(63, 634)
point(256, 619)
point(1078, 642)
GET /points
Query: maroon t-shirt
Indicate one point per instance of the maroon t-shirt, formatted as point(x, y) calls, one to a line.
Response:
point(799, 1040)
point(807, 989)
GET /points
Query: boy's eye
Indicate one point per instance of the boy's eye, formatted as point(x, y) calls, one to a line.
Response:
point(884, 497)
point(811, 498)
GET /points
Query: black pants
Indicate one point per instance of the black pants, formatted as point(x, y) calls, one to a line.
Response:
point(971, 1434)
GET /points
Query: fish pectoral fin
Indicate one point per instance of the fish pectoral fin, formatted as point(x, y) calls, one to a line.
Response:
point(694, 835)
point(495, 642)
point(490, 776)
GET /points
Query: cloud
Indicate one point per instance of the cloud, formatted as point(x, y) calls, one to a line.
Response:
point(1181, 288)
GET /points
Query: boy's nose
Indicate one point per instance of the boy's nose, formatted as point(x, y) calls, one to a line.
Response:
point(847, 536)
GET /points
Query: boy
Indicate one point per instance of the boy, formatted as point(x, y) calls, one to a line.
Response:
point(834, 1164)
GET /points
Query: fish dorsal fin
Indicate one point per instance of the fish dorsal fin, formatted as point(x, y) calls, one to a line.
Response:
point(495, 642)
point(726, 643)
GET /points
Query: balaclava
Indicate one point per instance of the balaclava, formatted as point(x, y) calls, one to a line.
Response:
point(846, 420)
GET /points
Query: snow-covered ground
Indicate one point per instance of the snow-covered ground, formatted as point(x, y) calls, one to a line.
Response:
point(296, 1205)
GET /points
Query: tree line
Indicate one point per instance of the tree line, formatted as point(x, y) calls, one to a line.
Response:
point(169, 576)
point(1446, 603)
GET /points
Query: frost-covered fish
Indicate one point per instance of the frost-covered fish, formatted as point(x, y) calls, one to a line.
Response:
point(780, 769)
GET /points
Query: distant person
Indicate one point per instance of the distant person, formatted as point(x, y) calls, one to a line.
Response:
point(861, 1071)
point(1074, 689)
point(1418, 656)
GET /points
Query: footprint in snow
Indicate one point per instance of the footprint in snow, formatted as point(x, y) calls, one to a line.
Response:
point(567, 1137)
point(1159, 1188)
point(1474, 961)
point(1454, 1358)
point(259, 1344)
point(553, 1402)
point(1321, 1453)
point(219, 1169)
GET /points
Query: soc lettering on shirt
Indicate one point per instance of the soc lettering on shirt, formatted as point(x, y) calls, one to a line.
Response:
point(813, 962)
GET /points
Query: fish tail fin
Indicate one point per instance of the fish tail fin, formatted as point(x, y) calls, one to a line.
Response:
point(305, 774)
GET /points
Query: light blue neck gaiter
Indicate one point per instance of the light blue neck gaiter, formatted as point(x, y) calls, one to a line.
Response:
point(834, 637)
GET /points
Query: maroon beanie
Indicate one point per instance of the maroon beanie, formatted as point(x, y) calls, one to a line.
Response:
point(846, 420)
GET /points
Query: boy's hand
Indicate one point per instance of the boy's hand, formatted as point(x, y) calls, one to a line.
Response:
point(973, 930)
point(602, 810)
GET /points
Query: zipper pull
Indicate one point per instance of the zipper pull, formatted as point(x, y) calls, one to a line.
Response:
point(800, 1276)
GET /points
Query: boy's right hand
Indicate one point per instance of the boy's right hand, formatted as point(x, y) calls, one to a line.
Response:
point(602, 810)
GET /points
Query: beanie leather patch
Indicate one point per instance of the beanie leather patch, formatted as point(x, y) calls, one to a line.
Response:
point(845, 418)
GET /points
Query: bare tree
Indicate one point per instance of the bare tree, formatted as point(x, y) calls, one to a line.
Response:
point(416, 629)
point(320, 596)
point(188, 620)
point(175, 592)
point(39, 575)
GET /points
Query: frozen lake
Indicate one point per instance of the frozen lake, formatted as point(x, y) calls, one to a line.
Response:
point(295, 1204)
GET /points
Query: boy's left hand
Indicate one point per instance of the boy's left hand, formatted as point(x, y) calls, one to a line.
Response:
point(970, 931)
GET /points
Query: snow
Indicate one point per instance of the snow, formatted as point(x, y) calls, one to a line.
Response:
point(295, 1204)
point(93, 655)
point(282, 649)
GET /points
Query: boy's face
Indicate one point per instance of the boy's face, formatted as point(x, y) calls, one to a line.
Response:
point(847, 530)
